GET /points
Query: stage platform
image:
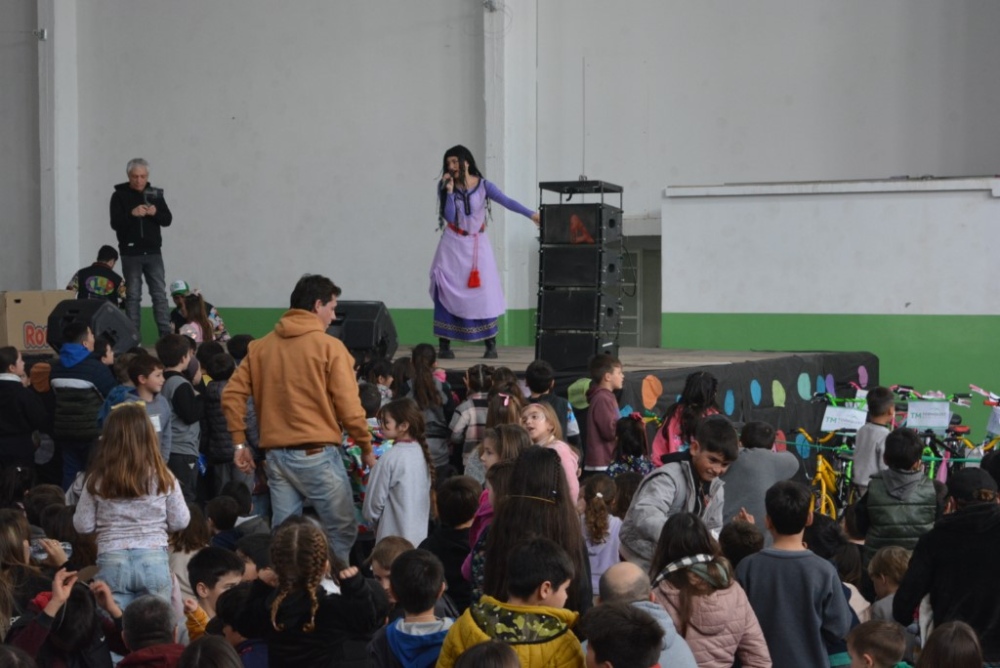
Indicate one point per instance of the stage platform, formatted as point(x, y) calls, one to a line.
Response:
point(774, 386)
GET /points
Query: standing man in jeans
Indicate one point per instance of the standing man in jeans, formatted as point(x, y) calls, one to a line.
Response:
point(138, 211)
point(304, 390)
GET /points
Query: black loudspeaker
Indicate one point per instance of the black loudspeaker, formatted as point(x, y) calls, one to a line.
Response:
point(579, 308)
point(103, 318)
point(580, 224)
point(366, 328)
point(579, 266)
point(571, 351)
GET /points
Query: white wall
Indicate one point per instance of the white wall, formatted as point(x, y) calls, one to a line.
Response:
point(307, 136)
point(20, 250)
point(867, 247)
point(683, 93)
point(290, 138)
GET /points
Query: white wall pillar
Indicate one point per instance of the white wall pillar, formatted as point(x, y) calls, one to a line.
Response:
point(58, 131)
point(510, 44)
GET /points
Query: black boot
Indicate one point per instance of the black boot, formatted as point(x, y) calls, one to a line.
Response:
point(444, 350)
point(491, 349)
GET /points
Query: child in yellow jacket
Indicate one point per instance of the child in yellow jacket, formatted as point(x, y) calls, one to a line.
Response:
point(532, 621)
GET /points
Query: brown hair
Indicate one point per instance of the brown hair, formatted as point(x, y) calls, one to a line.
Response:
point(120, 367)
point(299, 554)
point(953, 644)
point(626, 484)
point(538, 505)
point(195, 536)
point(14, 530)
point(194, 311)
point(890, 562)
point(423, 387)
point(884, 641)
point(510, 440)
point(599, 493)
point(387, 549)
point(503, 407)
point(128, 459)
point(406, 410)
point(59, 525)
point(550, 416)
point(498, 478)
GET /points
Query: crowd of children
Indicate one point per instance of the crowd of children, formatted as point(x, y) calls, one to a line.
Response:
point(492, 531)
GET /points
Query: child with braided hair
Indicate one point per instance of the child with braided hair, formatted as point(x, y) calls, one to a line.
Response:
point(400, 494)
point(303, 624)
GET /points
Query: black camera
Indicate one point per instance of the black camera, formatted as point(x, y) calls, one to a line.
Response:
point(150, 194)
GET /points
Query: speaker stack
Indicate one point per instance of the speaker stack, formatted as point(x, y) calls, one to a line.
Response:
point(579, 275)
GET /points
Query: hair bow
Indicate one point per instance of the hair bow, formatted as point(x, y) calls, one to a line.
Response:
point(636, 416)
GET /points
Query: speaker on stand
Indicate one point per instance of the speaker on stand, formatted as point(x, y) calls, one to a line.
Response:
point(579, 275)
point(366, 328)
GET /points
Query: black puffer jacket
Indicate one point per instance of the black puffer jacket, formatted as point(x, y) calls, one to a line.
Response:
point(219, 440)
point(80, 383)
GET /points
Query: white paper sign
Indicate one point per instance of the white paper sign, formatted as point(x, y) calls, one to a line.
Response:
point(860, 401)
point(840, 418)
point(928, 415)
point(155, 419)
point(993, 426)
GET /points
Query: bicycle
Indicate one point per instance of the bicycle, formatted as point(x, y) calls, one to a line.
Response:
point(832, 484)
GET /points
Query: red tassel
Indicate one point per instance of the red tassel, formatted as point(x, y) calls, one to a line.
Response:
point(474, 279)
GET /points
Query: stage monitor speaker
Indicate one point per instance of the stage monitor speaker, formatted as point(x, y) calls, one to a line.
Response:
point(579, 309)
point(571, 351)
point(580, 224)
point(366, 328)
point(579, 266)
point(102, 317)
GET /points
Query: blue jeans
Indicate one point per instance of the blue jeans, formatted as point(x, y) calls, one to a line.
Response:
point(294, 477)
point(133, 573)
point(150, 266)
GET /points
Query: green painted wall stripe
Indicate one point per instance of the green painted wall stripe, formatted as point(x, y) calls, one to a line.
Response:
point(929, 352)
point(517, 327)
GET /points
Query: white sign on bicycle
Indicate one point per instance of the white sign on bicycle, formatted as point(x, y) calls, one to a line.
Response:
point(934, 415)
point(993, 426)
point(842, 418)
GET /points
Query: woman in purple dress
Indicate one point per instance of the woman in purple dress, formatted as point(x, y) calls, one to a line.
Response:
point(465, 283)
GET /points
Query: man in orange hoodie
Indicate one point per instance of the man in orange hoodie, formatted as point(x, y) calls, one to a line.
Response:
point(303, 387)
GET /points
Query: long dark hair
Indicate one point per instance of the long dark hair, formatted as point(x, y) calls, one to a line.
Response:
point(406, 410)
point(685, 535)
point(194, 311)
point(464, 155)
point(630, 437)
point(422, 386)
point(698, 396)
point(538, 505)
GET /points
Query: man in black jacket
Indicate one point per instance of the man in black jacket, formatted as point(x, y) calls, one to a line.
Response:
point(138, 211)
point(99, 280)
point(948, 562)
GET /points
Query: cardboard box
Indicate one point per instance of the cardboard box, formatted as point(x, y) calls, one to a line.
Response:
point(24, 317)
